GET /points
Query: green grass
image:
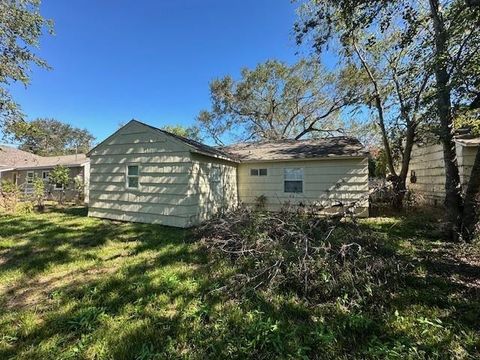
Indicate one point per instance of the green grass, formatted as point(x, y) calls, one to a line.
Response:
point(77, 287)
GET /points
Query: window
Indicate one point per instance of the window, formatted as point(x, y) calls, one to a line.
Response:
point(258, 172)
point(58, 186)
point(132, 176)
point(45, 175)
point(30, 176)
point(293, 180)
point(215, 174)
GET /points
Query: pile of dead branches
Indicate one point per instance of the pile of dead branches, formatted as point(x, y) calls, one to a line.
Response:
point(318, 258)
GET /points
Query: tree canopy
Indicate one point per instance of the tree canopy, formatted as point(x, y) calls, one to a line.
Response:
point(442, 41)
point(275, 101)
point(189, 132)
point(50, 137)
point(21, 26)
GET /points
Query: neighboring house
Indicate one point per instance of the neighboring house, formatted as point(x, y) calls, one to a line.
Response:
point(427, 168)
point(144, 174)
point(22, 167)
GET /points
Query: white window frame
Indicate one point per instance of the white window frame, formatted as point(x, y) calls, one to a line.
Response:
point(258, 172)
point(55, 187)
point(127, 176)
point(285, 179)
point(45, 178)
point(29, 180)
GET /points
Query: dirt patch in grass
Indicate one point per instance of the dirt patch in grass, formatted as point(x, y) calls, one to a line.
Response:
point(37, 292)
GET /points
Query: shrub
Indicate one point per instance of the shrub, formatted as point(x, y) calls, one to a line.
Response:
point(79, 189)
point(9, 195)
point(39, 193)
point(319, 259)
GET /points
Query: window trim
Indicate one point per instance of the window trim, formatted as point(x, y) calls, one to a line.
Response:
point(55, 187)
point(29, 179)
point(45, 178)
point(258, 171)
point(302, 180)
point(127, 176)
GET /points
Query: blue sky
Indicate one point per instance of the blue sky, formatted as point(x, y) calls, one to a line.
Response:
point(152, 60)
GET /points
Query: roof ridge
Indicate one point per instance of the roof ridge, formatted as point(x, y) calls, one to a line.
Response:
point(279, 141)
point(188, 141)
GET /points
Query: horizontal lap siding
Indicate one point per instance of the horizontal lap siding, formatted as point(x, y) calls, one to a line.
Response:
point(428, 164)
point(429, 167)
point(468, 158)
point(326, 182)
point(214, 197)
point(165, 195)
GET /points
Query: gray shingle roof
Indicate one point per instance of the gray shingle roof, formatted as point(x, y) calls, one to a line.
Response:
point(332, 147)
point(11, 157)
point(51, 161)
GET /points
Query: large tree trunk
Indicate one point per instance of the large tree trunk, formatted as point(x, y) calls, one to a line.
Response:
point(471, 212)
point(400, 182)
point(453, 198)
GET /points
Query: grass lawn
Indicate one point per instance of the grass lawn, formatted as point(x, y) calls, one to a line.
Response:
point(77, 287)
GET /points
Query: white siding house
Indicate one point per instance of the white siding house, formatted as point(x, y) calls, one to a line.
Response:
point(144, 174)
point(324, 172)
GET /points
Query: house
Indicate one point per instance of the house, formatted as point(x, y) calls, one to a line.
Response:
point(22, 167)
point(427, 168)
point(144, 174)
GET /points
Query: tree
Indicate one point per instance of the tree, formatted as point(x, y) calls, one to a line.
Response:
point(21, 26)
point(385, 79)
point(60, 175)
point(50, 137)
point(447, 46)
point(9, 194)
point(275, 101)
point(192, 132)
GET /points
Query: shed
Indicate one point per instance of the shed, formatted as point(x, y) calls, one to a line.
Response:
point(427, 168)
point(145, 174)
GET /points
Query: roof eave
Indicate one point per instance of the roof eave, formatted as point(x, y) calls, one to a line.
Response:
point(204, 153)
point(337, 157)
point(468, 143)
point(40, 167)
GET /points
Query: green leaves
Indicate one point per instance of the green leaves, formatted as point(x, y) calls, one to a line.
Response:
point(49, 137)
point(21, 26)
point(274, 101)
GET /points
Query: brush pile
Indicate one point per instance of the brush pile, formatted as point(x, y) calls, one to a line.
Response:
point(318, 258)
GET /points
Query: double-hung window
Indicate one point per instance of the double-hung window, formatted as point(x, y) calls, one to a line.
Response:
point(30, 176)
point(45, 175)
point(132, 176)
point(293, 180)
